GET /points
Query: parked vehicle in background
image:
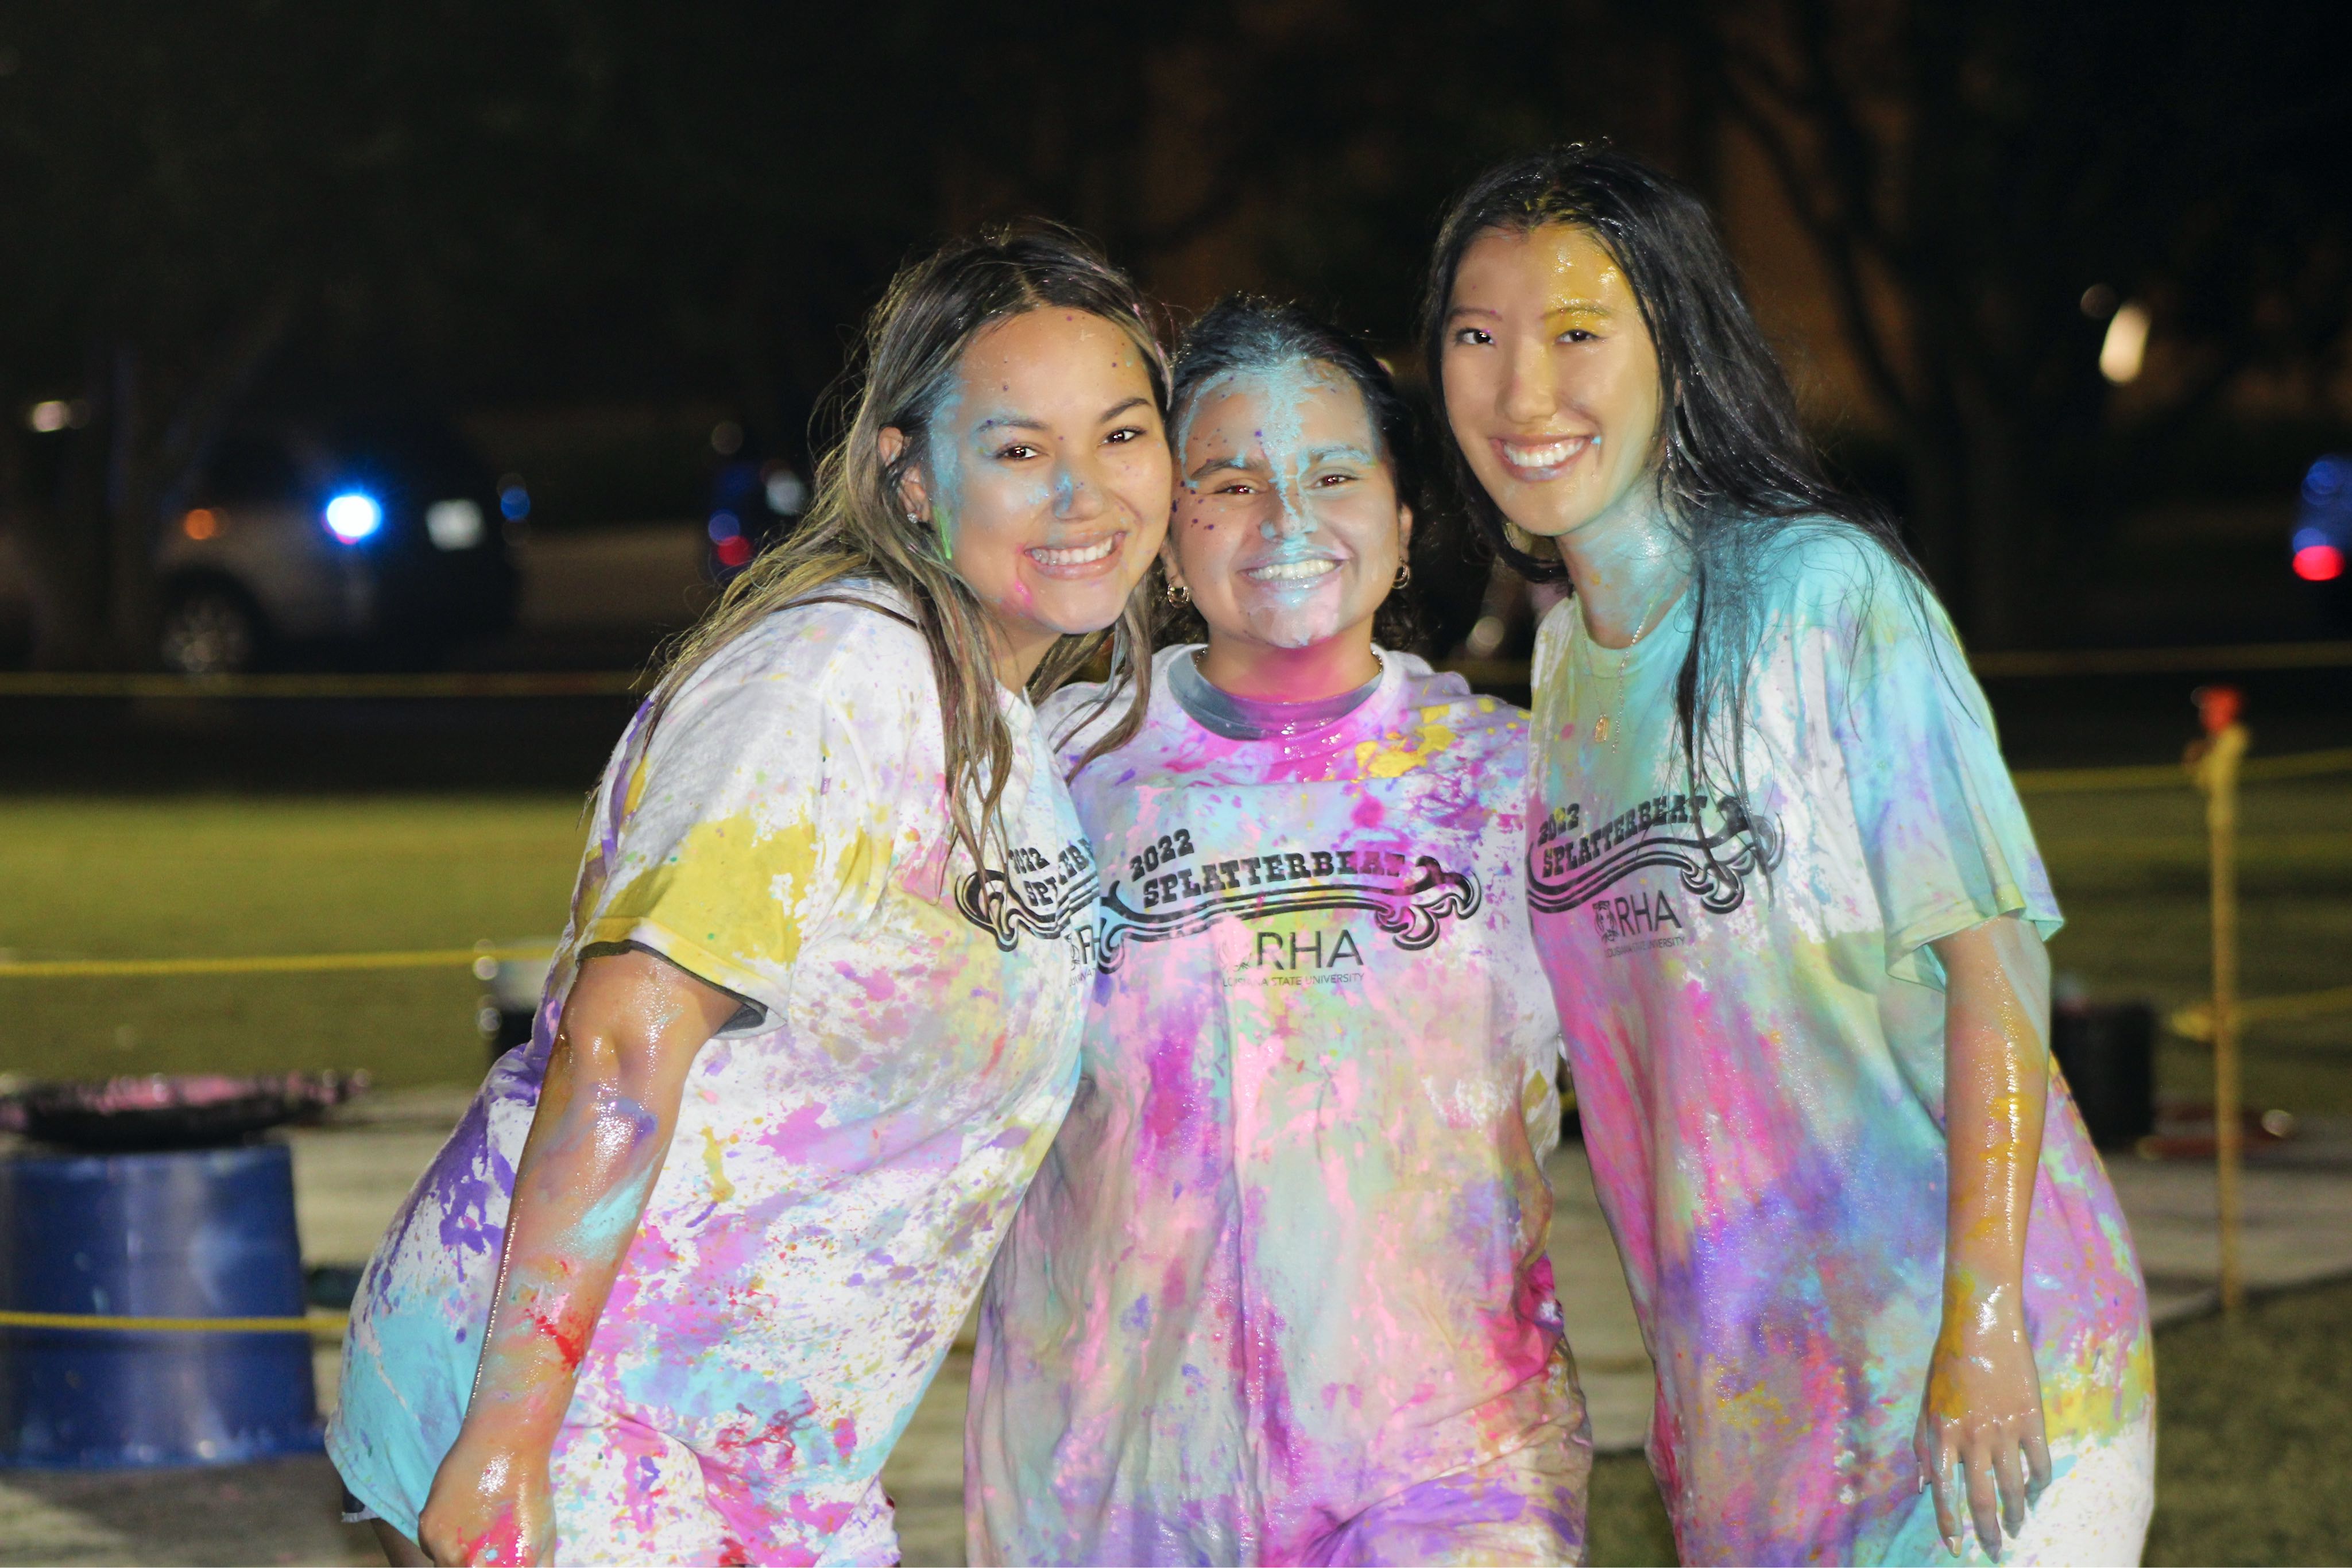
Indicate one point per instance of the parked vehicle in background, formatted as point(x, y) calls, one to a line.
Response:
point(2321, 550)
point(753, 503)
point(382, 538)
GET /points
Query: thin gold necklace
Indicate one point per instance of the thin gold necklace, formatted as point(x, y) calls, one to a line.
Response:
point(1604, 732)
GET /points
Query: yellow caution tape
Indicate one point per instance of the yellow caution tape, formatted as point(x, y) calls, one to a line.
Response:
point(1486, 672)
point(326, 1324)
point(2195, 1020)
point(2302, 764)
point(2163, 661)
point(2212, 659)
point(580, 684)
point(2084, 781)
point(289, 963)
point(2173, 775)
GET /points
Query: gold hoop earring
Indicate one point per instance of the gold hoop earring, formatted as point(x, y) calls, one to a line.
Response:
point(1178, 593)
point(1404, 574)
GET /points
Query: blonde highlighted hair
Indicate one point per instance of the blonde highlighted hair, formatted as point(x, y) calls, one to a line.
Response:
point(857, 526)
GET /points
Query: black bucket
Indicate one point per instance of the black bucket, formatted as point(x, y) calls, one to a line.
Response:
point(2107, 1051)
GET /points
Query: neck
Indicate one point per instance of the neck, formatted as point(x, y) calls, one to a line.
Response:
point(1629, 567)
point(1324, 669)
point(1017, 658)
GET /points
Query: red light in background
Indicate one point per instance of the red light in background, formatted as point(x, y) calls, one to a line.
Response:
point(2319, 563)
point(735, 549)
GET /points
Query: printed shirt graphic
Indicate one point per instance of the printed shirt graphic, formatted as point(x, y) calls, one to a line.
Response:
point(1287, 1258)
point(843, 1163)
point(1755, 1026)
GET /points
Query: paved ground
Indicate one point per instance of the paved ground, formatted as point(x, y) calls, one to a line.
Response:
point(351, 1177)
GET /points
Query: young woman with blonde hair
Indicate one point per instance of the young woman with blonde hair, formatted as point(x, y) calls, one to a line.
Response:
point(679, 1278)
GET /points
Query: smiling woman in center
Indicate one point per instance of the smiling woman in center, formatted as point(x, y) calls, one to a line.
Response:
point(1280, 1293)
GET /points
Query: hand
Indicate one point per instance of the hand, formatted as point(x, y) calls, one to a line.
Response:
point(1983, 1409)
point(488, 1505)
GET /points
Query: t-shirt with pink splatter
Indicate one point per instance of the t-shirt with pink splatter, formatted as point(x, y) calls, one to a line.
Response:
point(1281, 1285)
point(1755, 1025)
point(847, 1152)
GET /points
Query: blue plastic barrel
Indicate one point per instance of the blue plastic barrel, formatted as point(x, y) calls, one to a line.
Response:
point(200, 1233)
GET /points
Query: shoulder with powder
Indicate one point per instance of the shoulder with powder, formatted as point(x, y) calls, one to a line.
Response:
point(1820, 572)
point(1438, 720)
point(860, 650)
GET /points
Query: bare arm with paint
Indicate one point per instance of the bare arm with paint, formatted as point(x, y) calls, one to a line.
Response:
point(632, 1028)
point(1983, 1405)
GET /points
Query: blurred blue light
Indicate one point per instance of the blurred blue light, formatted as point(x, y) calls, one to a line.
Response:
point(2325, 479)
point(2304, 538)
point(353, 515)
point(514, 502)
point(724, 527)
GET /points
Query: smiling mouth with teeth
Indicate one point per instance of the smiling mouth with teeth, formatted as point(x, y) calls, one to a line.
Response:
point(1536, 459)
point(1082, 555)
point(1291, 571)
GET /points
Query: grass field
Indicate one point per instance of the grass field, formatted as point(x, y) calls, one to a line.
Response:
point(168, 878)
point(224, 877)
point(2256, 1416)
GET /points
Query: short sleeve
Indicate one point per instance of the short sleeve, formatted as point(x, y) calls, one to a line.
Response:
point(1946, 838)
point(759, 814)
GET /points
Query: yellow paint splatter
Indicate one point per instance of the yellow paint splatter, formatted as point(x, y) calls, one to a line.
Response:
point(728, 887)
point(635, 792)
point(1395, 753)
point(714, 1162)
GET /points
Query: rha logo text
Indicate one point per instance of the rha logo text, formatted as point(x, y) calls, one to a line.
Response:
point(1642, 914)
point(1304, 950)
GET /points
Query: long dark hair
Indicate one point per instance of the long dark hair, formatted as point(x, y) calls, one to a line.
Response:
point(1246, 332)
point(1736, 475)
point(858, 526)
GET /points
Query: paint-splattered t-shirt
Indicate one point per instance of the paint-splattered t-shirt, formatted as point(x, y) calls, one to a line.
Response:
point(1286, 1258)
point(1755, 1026)
point(847, 1152)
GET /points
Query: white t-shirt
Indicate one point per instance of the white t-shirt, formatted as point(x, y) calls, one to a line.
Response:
point(1756, 1024)
point(843, 1161)
point(1286, 1259)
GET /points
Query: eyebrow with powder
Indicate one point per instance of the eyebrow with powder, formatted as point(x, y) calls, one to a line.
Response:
point(1232, 461)
point(1030, 421)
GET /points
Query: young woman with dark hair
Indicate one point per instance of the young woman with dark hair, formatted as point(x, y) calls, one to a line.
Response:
point(1280, 1291)
point(1794, 916)
point(828, 949)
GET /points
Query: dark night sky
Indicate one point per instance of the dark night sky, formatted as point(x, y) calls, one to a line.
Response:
point(600, 202)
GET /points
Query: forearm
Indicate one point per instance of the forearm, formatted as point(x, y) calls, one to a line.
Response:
point(580, 1191)
point(1996, 1086)
point(1981, 1414)
point(607, 1111)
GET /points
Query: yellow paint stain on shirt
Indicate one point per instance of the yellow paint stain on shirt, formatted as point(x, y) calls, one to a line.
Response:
point(728, 887)
point(2091, 1390)
point(1397, 753)
point(714, 1162)
point(635, 794)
